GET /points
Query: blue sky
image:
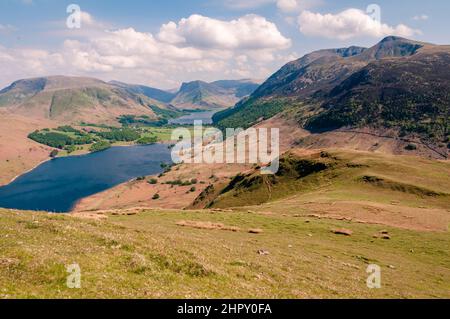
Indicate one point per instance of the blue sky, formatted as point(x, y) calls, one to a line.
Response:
point(163, 43)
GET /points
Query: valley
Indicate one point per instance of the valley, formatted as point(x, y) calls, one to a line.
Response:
point(364, 178)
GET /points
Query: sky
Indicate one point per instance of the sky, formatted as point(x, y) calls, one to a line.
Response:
point(164, 43)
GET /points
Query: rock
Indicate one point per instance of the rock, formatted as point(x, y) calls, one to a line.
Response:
point(263, 252)
point(255, 231)
point(384, 234)
point(342, 231)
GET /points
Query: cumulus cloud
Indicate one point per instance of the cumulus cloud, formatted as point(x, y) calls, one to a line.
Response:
point(196, 47)
point(250, 32)
point(351, 23)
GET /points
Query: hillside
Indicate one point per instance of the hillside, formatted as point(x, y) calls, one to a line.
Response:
point(212, 254)
point(216, 95)
point(72, 99)
point(156, 94)
point(399, 191)
point(397, 83)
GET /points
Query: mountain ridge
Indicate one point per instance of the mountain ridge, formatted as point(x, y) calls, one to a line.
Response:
point(214, 95)
point(310, 85)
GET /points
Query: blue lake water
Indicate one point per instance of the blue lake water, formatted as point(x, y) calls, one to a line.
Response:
point(206, 117)
point(57, 185)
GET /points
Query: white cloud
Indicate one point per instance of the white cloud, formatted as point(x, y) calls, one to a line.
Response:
point(422, 17)
point(248, 32)
point(351, 23)
point(296, 6)
point(197, 47)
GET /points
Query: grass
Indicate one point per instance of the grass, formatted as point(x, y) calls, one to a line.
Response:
point(148, 255)
point(349, 176)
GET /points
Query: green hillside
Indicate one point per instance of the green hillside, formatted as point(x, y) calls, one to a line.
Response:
point(398, 83)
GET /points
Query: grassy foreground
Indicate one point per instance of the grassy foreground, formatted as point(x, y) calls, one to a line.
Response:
point(147, 255)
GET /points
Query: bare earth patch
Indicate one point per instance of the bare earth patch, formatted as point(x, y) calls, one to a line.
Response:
point(207, 225)
point(140, 193)
point(19, 154)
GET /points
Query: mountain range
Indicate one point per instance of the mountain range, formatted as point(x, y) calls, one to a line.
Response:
point(215, 95)
point(398, 83)
point(75, 99)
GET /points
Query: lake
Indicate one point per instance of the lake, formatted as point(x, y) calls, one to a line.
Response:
point(57, 185)
point(206, 117)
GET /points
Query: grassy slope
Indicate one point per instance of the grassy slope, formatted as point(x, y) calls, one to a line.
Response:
point(147, 255)
point(415, 182)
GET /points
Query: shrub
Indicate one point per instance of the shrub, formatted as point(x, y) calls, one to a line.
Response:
point(54, 153)
point(100, 146)
point(411, 147)
point(155, 197)
point(70, 149)
point(153, 181)
point(193, 189)
point(146, 140)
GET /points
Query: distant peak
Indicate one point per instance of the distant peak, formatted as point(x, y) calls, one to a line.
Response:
point(392, 38)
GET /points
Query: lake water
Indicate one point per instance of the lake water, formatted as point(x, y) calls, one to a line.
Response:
point(206, 117)
point(57, 185)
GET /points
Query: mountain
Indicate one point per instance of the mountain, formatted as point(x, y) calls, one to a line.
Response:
point(398, 83)
point(156, 94)
point(215, 95)
point(76, 99)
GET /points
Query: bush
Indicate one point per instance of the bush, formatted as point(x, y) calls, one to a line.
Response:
point(155, 197)
point(54, 153)
point(153, 181)
point(411, 147)
point(146, 140)
point(70, 149)
point(100, 146)
point(193, 189)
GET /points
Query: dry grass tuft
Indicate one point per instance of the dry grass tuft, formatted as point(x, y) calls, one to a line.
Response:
point(207, 225)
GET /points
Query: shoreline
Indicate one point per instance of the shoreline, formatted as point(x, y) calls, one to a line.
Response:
point(77, 155)
point(26, 172)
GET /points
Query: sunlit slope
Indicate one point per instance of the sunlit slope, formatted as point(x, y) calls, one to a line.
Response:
point(360, 185)
point(145, 254)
